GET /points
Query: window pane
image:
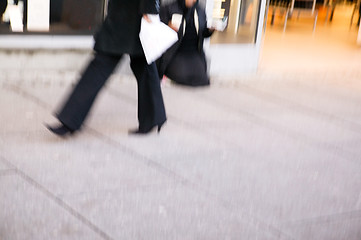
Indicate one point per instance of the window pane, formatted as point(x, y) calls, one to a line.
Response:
point(51, 16)
point(240, 18)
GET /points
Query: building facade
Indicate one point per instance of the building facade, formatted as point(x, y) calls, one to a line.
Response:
point(32, 32)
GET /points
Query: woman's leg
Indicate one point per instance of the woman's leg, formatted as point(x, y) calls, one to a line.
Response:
point(151, 111)
point(82, 97)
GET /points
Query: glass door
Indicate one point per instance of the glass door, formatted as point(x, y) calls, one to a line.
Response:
point(236, 49)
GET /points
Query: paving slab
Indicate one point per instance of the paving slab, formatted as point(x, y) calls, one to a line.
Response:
point(340, 226)
point(27, 213)
point(4, 166)
point(163, 212)
point(313, 128)
point(332, 98)
point(77, 165)
point(20, 112)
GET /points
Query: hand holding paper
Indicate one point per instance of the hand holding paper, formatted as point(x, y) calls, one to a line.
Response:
point(145, 16)
point(219, 24)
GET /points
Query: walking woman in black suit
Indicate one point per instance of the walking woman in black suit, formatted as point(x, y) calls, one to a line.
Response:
point(185, 62)
point(118, 35)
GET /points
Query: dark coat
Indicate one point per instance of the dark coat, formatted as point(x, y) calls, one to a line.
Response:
point(119, 32)
point(3, 5)
point(178, 7)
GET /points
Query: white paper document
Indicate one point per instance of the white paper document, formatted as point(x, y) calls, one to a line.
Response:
point(156, 37)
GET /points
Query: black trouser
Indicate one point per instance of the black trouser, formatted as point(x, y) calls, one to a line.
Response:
point(151, 110)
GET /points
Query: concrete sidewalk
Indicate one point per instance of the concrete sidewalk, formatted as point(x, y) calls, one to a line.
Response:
point(272, 156)
point(263, 159)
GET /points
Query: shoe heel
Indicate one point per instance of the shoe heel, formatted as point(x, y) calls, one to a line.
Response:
point(60, 130)
point(160, 126)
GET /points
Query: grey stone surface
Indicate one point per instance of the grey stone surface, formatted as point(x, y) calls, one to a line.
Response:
point(3, 166)
point(21, 112)
point(27, 213)
point(95, 167)
point(340, 226)
point(166, 211)
point(222, 166)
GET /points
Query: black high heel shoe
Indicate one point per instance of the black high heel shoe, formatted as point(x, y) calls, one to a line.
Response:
point(60, 130)
point(145, 131)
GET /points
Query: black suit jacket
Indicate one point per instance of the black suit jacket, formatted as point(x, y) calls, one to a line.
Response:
point(119, 32)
